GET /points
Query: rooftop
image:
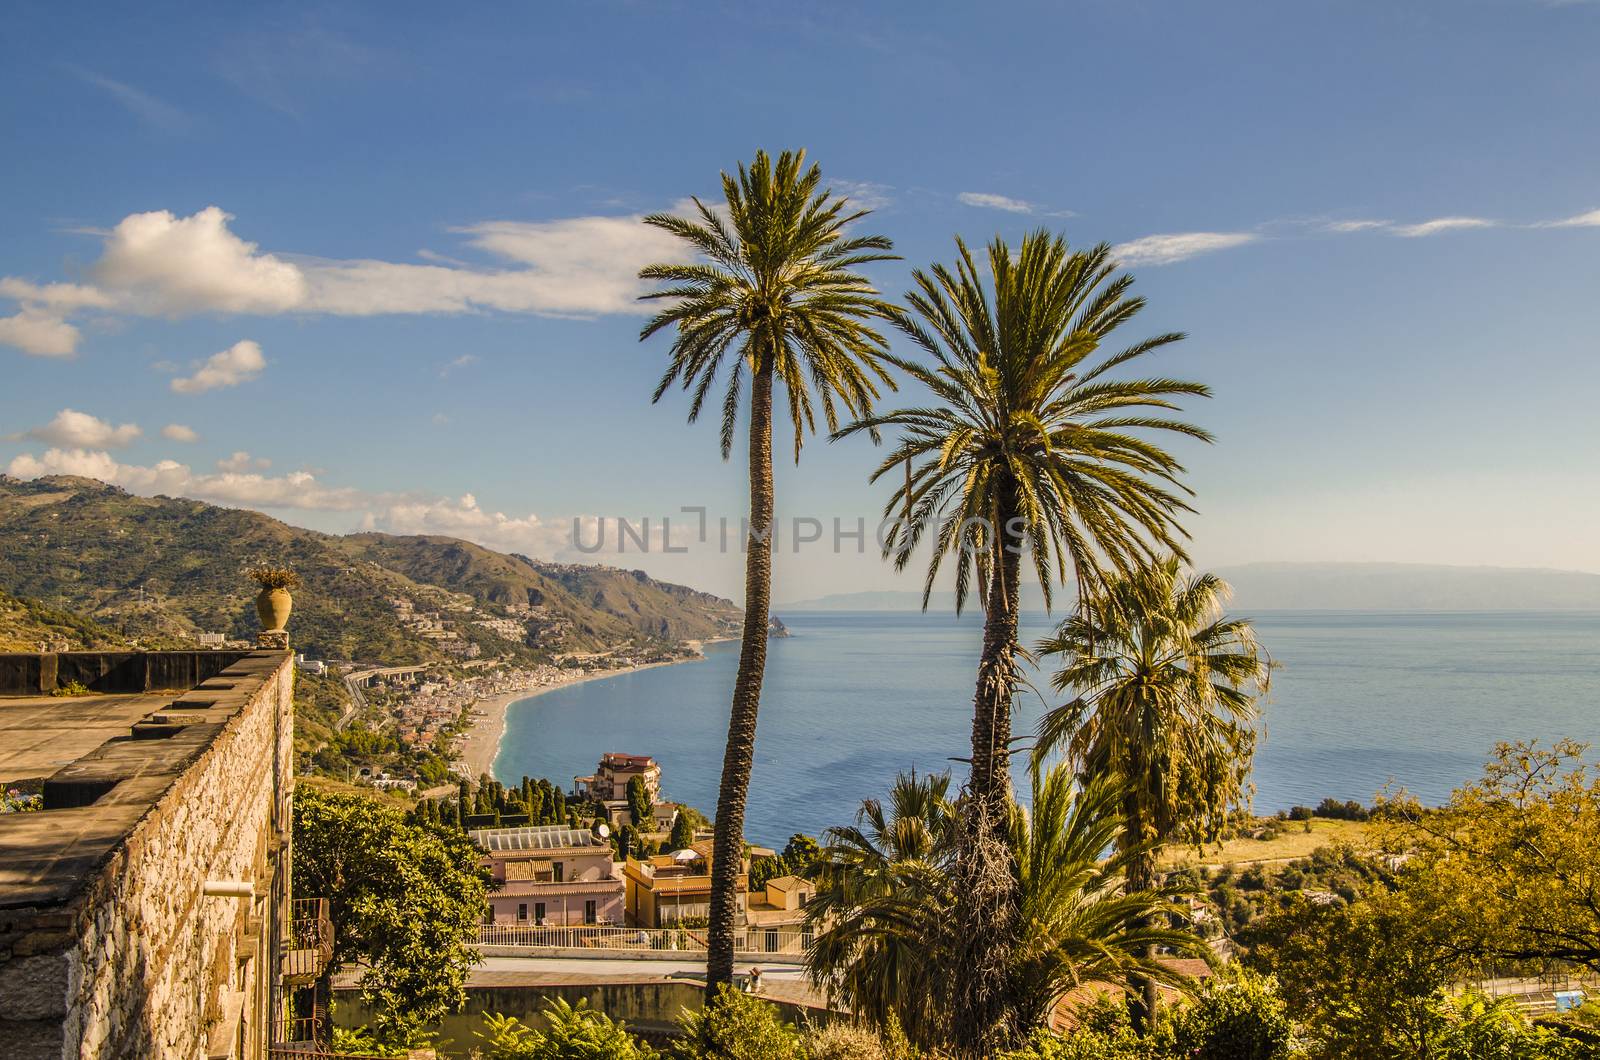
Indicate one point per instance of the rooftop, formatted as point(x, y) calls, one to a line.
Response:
point(616, 758)
point(103, 760)
point(537, 837)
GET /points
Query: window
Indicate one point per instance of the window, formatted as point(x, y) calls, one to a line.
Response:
point(538, 912)
point(522, 910)
point(589, 912)
point(559, 868)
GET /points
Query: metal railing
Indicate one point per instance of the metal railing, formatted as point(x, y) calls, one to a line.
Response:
point(786, 941)
point(308, 945)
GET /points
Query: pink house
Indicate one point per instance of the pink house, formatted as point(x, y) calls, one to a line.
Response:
point(550, 875)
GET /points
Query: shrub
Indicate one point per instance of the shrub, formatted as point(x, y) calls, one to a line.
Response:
point(1238, 1015)
point(573, 1033)
point(1301, 813)
point(1342, 811)
point(1103, 1033)
point(843, 1041)
point(737, 1027)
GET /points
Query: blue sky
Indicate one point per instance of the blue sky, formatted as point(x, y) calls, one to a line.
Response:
point(388, 258)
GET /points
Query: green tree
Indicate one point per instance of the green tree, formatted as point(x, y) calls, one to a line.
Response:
point(640, 805)
point(775, 298)
point(1511, 860)
point(1030, 447)
point(1365, 979)
point(405, 900)
point(800, 854)
point(682, 835)
point(892, 894)
point(1164, 689)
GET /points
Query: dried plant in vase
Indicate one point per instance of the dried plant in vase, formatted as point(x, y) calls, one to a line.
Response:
point(273, 603)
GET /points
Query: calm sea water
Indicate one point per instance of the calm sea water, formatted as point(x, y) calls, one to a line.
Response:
point(1361, 699)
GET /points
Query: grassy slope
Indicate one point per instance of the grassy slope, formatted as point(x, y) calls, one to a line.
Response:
point(27, 625)
point(1294, 842)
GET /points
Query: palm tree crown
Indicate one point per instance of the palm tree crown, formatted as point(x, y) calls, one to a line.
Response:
point(777, 288)
point(1165, 689)
point(1025, 405)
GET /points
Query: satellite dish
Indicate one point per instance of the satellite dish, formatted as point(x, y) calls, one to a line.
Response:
point(603, 831)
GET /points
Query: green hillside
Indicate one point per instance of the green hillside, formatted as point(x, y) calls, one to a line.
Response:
point(156, 567)
point(598, 604)
point(27, 625)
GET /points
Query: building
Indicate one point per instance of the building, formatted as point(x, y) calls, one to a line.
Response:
point(675, 888)
point(144, 906)
point(551, 875)
point(776, 916)
point(782, 904)
point(610, 780)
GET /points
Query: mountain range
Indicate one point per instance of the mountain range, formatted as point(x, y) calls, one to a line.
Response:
point(1325, 587)
point(154, 568)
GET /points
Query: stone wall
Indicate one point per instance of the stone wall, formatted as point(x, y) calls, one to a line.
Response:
point(138, 962)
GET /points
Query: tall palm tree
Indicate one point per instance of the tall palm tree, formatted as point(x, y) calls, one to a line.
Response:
point(1165, 693)
point(889, 909)
point(773, 296)
point(1031, 445)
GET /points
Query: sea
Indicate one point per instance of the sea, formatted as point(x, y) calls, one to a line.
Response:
point(1360, 702)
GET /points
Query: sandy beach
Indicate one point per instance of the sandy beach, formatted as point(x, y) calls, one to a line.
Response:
point(488, 716)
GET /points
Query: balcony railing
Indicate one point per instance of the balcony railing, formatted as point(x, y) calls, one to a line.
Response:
point(308, 946)
point(790, 942)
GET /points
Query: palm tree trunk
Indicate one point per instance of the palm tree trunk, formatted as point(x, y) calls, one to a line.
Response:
point(984, 1020)
point(1143, 997)
point(728, 845)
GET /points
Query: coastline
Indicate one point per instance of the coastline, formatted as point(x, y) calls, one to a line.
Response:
point(481, 745)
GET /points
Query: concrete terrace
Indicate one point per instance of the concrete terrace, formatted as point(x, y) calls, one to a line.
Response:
point(102, 761)
point(144, 903)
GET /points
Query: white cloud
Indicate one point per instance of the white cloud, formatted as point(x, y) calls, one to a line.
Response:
point(297, 489)
point(462, 517)
point(237, 364)
point(161, 264)
point(1177, 246)
point(39, 332)
point(864, 194)
point(156, 112)
point(177, 432)
point(58, 296)
point(79, 430)
point(1355, 226)
point(168, 265)
point(1441, 224)
point(464, 361)
point(1582, 220)
point(243, 461)
point(989, 201)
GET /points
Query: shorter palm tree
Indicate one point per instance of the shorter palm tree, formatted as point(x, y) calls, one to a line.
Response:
point(889, 931)
point(1165, 691)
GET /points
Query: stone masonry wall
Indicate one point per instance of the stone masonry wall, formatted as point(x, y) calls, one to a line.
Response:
point(146, 964)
